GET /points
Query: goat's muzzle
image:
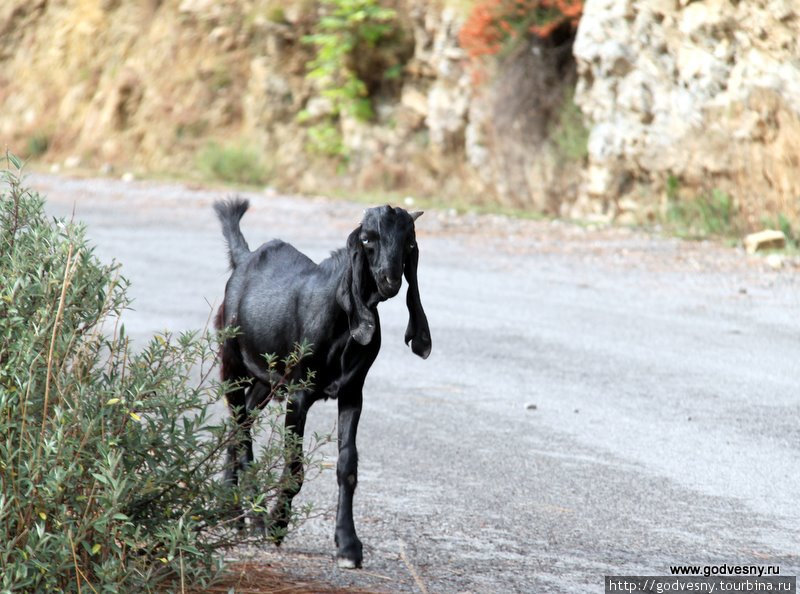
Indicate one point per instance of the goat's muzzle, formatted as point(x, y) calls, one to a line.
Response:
point(388, 286)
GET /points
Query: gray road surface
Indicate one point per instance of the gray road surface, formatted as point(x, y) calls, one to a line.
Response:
point(664, 374)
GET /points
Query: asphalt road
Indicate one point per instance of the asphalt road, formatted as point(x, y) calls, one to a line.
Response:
point(664, 374)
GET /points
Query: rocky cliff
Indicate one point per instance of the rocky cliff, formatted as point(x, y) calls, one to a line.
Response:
point(681, 98)
point(149, 84)
point(699, 95)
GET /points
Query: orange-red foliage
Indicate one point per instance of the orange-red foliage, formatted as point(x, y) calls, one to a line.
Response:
point(492, 23)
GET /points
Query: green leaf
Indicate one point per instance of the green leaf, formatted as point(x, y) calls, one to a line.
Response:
point(101, 478)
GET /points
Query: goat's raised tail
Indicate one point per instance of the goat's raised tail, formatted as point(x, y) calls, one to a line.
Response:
point(230, 212)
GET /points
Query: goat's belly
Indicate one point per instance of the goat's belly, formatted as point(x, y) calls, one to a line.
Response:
point(279, 335)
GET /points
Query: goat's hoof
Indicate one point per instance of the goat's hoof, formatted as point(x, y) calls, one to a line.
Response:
point(350, 556)
point(345, 563)
point(259, 526)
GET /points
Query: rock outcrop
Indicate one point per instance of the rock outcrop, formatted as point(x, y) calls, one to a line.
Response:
point(149, 84)
point(695, 96)
point(702, 92)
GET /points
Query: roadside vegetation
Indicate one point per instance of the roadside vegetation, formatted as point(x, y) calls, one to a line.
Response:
point(110, 458)
point(782, 223)
point(714, 214)
point(709, 215)
point(38, 144)
point(233, 163)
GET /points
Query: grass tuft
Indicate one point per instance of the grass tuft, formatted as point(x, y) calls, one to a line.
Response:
point(38, 144)
point(233, 163)
point(707, 215)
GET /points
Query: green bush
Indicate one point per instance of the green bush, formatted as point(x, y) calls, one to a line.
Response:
point(348, 60)
point(349, 25)
point(233, 163)
point(109, 458)
point(38, 144)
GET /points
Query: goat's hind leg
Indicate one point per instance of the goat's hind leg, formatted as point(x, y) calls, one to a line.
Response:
point(293, 471)
point(240, 447)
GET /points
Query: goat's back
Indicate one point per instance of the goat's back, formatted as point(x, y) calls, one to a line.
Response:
point(280, 297)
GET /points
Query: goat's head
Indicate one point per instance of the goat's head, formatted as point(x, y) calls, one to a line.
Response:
point(382, 250)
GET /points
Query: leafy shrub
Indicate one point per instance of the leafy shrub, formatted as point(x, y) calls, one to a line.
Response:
point(233, 163)
point(109, 458)
point(346, 40)
point(326, 139)
point(349, 25)
point(38, 144)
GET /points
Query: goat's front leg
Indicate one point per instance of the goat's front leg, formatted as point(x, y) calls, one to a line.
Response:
point(293, 471)
point(240, 450)
point(349, 551)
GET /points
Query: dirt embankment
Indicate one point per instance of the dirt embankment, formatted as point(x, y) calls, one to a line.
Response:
point(676, 101)
point(150, 85)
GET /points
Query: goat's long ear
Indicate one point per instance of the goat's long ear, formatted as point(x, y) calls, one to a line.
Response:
point(417, 330)
point(350, 290)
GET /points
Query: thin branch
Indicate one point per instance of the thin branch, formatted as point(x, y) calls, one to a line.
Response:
point(412, 571)
point(59, 313)
point(183, 583)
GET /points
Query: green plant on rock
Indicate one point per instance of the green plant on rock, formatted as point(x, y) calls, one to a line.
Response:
point(673, 187)
point(109, 457)
point(710, 214)
point(784, 224)
point(348, 27)
point(570, 134)
point(325, 139)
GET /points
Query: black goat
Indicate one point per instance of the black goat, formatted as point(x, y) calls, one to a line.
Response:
point(278, 297)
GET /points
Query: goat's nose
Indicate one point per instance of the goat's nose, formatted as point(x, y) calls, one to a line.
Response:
point(392, 281)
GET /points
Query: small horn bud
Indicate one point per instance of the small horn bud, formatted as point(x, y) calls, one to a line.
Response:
point(416, 214)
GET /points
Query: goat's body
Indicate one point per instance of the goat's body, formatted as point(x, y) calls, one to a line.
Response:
point(273, 310)
point(278, 298)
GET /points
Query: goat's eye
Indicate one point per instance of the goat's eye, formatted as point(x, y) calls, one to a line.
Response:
point(369, 241)
point(412, 245)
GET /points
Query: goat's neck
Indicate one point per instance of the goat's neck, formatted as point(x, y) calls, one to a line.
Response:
point(339, 263)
